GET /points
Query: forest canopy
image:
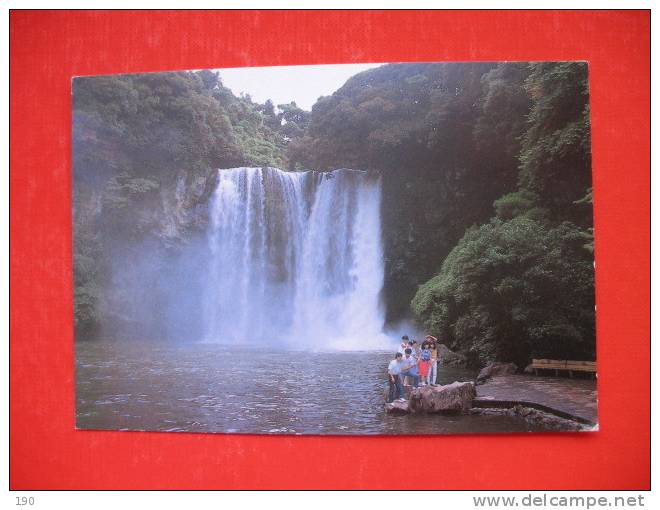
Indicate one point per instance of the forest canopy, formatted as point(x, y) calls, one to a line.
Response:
point(145, 150)
point(486, 176)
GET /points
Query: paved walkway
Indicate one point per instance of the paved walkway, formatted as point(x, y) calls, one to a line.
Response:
point(577, 397)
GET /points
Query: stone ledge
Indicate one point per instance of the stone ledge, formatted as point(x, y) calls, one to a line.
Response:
point(537, 417)
point(492, 403)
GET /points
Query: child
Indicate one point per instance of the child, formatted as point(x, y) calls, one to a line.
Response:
point(425, 364)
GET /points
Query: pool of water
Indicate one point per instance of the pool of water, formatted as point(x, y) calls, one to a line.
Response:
point(216, 388)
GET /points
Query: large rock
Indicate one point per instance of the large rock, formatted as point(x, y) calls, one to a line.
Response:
point(448, 357)
point(397, 407)
point(496, 368)
point(454, 397)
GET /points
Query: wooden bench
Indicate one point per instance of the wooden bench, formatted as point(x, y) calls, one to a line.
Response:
point(568, 365)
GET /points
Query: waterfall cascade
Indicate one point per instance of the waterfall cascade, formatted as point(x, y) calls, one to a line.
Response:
point(296, 260)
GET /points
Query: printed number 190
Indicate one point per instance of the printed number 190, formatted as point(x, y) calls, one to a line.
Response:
point(22, 501)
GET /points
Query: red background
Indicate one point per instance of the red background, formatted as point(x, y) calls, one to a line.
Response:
point(48, 48)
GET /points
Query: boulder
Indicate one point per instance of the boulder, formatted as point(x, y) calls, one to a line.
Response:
point(448, 357)
point(397, 407)
point(496, 368)
point(451, 398)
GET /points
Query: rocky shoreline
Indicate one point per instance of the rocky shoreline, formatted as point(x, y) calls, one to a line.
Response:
point(462, 398)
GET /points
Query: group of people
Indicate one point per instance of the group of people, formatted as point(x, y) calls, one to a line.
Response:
point(418, 363)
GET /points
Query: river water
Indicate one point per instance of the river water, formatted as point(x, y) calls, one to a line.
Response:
point(214, 388)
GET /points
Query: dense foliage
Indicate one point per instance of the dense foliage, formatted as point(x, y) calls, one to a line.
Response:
point(487, 205)
point(555, 158)
point(452, 141)
point(514, 289)
point(144, 150)
point(446, 139)
point(522, 285)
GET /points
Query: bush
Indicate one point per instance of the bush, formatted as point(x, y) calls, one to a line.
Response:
point(512, 290)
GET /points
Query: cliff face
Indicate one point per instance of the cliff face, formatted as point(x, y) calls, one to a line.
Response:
point(179, 209)
point(145, 152)
point(129, 275)
point(463, 155)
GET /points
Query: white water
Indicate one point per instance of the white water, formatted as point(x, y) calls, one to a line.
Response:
point(296, 260)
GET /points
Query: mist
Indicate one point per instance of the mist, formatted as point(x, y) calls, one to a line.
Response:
point(284, 260)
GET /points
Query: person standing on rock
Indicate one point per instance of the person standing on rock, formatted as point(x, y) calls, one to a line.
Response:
point(394, 378)
point(416, 351)
point(409, 368)
point(425, 363)
point(404, 345)
point(432, 343)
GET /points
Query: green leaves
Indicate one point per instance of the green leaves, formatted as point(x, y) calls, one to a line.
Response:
point(555, 160)
point(451, 141)
point(445, 138)
point(136, 140)
point(522, 285)
point(513, 289)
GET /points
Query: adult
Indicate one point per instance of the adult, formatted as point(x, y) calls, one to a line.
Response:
point(405, 343)
point(432, 343)
point(394, 378)
point(409, 367)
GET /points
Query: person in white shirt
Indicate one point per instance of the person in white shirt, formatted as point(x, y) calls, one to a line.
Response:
point(394, 378)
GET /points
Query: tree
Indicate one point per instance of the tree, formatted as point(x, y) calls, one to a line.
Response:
point(522, 284)
point(445, 138)
point(145, 151)
point(293, 121)
point(512, 290)
point(555, 160)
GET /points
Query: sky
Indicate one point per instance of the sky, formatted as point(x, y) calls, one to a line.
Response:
point(283, 84)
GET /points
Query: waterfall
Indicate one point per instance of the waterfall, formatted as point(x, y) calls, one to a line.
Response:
point(296, 260)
